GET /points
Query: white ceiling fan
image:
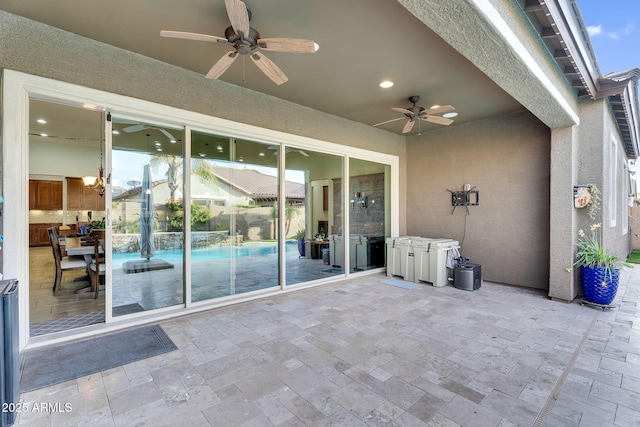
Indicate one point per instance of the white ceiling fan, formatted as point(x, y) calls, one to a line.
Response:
point(246, 41)
point(287, 150)
point(138, 128)
point(416, 113)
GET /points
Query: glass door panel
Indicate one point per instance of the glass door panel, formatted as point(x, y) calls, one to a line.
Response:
point(368, 214)
point(66, 142)
point(234, 188)
point(313, 217)
point(147, 232)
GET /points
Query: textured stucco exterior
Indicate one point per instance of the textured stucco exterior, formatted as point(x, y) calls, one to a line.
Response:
point(507, 159)
point(598, 136)
point(498, 39)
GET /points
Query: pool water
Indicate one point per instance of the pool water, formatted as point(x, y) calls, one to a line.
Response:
point(208, 254)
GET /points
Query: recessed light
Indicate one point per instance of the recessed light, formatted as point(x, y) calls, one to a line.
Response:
point(449, 115)
point(386, 84)
point(173, 141)
point(157, 144)
point(43, 134)
point(115, 132)
point(201, 154)
point(158, 149)
point(261, 154)
point(41, 121)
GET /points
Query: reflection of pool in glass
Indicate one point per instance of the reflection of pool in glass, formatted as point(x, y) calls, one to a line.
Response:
point(208, 254)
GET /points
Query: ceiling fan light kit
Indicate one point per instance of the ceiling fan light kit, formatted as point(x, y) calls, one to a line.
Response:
point(415, 113)
point(246, 41)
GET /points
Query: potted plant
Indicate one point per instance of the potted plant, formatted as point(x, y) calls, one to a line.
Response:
point(599, 268)
point(300, 234)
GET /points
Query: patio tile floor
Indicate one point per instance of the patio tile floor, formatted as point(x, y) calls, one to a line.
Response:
point(364, 353)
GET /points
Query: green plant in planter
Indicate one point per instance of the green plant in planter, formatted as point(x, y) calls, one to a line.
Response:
point(95, 225)
point(599, 268)
point(591, 252)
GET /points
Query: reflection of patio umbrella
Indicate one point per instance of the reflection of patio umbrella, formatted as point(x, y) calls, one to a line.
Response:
point(146, 216)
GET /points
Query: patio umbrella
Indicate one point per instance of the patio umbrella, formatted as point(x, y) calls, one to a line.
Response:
point(146, 216)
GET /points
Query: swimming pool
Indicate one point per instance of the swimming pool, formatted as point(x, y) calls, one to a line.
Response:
point(209, 254)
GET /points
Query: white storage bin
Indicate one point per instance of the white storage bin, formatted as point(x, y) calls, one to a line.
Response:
point(426, 259)
point(400, 257)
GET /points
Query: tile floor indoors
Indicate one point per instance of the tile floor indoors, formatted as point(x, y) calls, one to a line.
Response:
point(362, 352)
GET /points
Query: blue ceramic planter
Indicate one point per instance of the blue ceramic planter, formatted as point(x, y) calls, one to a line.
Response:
point(599, 286)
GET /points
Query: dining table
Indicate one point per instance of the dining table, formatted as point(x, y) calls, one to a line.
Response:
point(77, 246)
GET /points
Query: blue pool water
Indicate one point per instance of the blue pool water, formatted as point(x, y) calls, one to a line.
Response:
point(208, 254)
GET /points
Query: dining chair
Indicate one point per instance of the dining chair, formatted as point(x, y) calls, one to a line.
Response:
point(98, 267)
point(62, 263)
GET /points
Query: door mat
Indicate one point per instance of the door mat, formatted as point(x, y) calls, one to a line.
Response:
point(401, 283)
point(54, 365)
point(66, 323)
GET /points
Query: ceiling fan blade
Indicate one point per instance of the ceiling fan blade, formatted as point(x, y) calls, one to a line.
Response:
point(222, 65)
point(167, 134)
point(135, 128)
point(437, 119)
point(304, 153)
point(407, 127)
point(269, 68)
point(287, 45)
point(192, 36)
point(403, 111)
point(389, 121)
point(439, 110)
point(238, 16)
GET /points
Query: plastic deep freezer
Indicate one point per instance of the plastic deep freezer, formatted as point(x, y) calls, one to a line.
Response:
point(431, 260)
point(400, 257)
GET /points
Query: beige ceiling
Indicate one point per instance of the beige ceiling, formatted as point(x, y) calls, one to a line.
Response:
point(362, 42)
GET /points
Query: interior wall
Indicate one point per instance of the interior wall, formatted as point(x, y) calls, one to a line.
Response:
point(507, 159)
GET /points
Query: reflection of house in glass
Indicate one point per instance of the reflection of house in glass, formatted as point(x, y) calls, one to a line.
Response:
point(253, 192)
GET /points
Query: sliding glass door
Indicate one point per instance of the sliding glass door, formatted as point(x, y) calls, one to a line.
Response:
point(234, 216)
point(147, 241)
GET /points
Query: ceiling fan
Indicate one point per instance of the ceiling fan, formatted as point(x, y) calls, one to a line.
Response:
point(416, 113)
point(287, 150)
point(246, 41)
point(138, 128)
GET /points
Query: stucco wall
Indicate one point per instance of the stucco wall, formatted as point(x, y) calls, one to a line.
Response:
point(507, 160)
point(596, 133)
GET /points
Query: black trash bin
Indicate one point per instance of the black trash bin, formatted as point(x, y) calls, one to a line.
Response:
point(467, 276)
point(326, 258)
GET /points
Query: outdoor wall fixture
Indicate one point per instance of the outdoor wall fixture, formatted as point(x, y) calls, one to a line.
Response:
point(581, 196)
point(359, 200)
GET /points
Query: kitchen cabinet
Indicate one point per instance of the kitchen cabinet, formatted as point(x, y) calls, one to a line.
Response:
point(45, 195)
point(81, 198)
point(38, 235)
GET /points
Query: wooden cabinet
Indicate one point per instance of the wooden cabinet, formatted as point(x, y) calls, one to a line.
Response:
point(45, 195)
point(81, 198)
point(38, 235)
